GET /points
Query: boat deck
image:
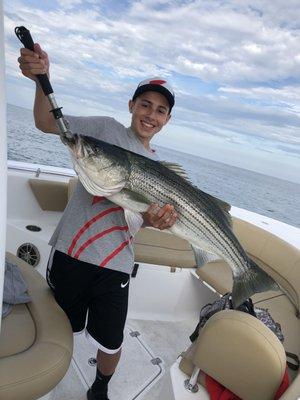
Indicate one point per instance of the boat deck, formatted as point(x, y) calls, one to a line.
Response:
point(149, 349)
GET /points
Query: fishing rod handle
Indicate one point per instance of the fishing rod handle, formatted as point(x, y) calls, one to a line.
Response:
point(25, 37)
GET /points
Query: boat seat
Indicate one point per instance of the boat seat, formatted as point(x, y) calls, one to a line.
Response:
point(282, 262)
point(275, 256)
point(219, 276)
point(283, 312)
point(241, 353)
point(51, 196)
point(161, 248)
point(36, 341)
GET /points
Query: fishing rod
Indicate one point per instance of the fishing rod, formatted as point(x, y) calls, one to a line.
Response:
point(25, 37)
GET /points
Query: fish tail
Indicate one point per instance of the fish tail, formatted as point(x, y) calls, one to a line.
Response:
point(255, 280)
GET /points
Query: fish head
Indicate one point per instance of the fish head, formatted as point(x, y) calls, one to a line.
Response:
point(102, 168)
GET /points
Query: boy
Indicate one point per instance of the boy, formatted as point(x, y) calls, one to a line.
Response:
point(92, 256)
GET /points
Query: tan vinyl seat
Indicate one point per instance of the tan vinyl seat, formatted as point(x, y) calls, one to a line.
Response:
point(241, 353)
point(36, 342)
point(51, 196)
point(283, 312)
point(275, 256)
point(282, 262)
point(162, 248)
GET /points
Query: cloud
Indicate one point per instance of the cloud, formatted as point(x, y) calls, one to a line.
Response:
point(69, 4)
point(234, 65)
point(224, 42)
point(289, 149)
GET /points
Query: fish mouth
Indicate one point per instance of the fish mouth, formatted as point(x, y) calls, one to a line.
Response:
point(69, 139)
point(75, 143)
point(79, 148)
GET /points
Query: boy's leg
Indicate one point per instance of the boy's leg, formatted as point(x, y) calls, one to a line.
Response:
point(106, 320)
point(107, 363)
point(70, 280)
point(79, 286)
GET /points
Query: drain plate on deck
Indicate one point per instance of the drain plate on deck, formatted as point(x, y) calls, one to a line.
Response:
point(92, 361)
point(33, 228)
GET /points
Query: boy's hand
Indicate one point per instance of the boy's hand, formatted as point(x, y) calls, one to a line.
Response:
point(160, 217)
point(34, 62)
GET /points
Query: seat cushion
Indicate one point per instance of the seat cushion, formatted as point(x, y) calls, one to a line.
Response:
point(18, 320)
point(162, 248)
point(219, 276)
point(42, 362)
point(51, 196)
point(284, 312)
point(237, 350)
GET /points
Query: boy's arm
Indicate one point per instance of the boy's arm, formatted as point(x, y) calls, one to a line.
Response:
point(44, 119)
point(31, 64)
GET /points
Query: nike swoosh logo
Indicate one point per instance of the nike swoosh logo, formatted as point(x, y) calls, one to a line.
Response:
point(124, 284)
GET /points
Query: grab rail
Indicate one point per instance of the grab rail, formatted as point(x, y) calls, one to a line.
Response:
point(40, 168)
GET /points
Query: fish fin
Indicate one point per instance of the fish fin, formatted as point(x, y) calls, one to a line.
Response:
point(221, 203)
point(222, 207)
point(203, 257)
point(255, 280)
point(177, 168)
point(134, 221)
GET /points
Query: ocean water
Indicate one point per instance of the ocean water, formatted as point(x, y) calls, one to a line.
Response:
point(266, 195)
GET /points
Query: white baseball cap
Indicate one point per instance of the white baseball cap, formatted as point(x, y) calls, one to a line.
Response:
point(156, 84)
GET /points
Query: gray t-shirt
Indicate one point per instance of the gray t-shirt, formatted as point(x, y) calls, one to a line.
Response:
point(93, 229)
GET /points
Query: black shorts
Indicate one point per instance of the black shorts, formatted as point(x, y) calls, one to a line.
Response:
point(92, 297)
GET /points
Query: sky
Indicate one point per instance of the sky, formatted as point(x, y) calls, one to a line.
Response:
point(234, 66)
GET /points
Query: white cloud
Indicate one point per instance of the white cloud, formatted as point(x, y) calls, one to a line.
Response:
point(68, 4)
point(234, 64)
point(211, 41)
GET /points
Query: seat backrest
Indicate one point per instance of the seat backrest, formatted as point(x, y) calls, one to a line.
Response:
point(241, 353)
point(162, 248)
point(278, 258)
point(41, 357)
point(51, 196)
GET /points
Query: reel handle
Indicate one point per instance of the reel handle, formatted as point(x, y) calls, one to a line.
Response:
point(25, 38)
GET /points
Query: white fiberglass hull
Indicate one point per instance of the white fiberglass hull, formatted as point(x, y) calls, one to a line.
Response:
point(164, 305)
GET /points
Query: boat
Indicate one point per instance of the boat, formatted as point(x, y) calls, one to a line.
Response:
point(41, 359)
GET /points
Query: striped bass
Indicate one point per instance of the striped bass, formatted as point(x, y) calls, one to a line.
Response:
point(133, 182)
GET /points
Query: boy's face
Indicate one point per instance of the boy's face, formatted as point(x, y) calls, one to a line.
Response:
point(150, 112)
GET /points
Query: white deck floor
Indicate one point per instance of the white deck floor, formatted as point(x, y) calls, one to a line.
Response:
point(136, 377)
